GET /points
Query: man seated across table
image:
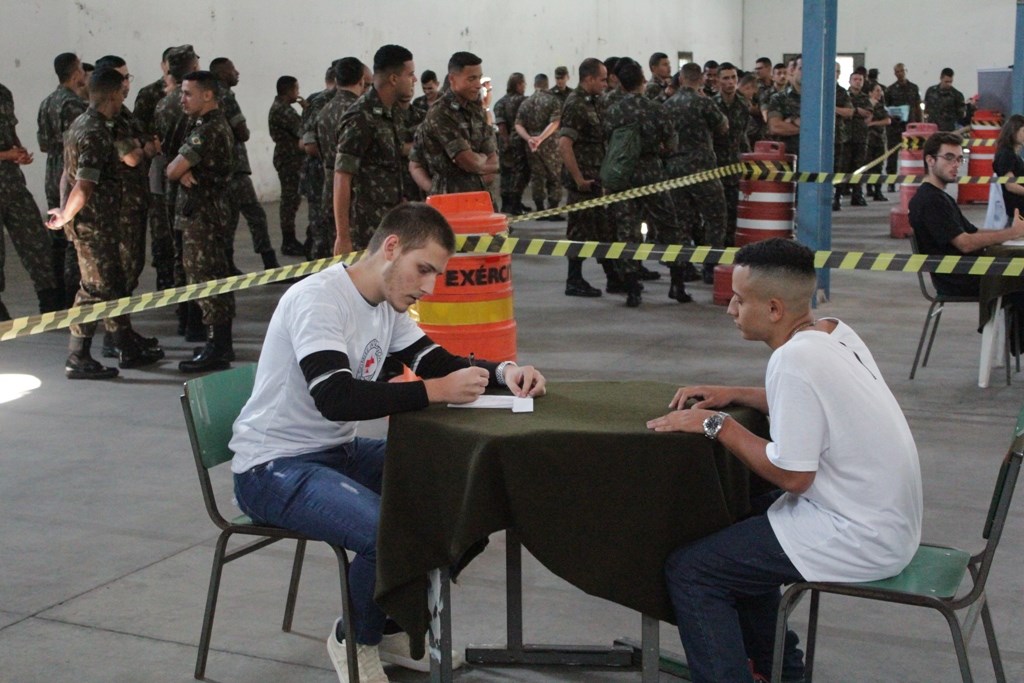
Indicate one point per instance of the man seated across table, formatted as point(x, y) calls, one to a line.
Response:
point(939, 225)
point(298, 463)
point(849, 508)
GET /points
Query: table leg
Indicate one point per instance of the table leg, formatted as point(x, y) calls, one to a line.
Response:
point(515, 652)
point(988, 339)
point(439, 603)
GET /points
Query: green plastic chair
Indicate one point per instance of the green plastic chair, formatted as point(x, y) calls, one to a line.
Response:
point(932, 579)
point(211, 404)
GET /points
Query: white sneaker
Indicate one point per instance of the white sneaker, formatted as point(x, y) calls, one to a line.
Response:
point(394, 649)
point(368, 657)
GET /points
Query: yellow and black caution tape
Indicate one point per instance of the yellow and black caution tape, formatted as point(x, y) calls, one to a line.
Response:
point(840, 178)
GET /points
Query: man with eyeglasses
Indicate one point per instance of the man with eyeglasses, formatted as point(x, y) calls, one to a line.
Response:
point(939, 225)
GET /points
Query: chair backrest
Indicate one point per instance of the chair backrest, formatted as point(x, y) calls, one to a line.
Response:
point(920, 274)
point(211, 404)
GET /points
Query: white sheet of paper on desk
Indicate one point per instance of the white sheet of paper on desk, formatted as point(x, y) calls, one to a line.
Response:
point(1014, 243)
point(513, 403)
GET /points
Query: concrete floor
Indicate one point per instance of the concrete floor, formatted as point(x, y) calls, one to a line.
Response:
point(105, 547)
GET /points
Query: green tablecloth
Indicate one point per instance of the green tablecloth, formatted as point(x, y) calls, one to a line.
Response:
point(593, 494)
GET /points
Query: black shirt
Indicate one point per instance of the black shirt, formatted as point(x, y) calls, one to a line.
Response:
point(1008, 161)
point(937, 221)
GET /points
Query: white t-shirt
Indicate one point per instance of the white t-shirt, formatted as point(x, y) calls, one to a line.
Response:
point(832, 413)
point(324, 312)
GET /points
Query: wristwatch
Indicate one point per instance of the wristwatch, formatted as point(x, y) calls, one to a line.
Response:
point(713, 425)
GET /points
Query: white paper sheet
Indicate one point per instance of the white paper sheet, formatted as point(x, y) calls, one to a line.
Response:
point(513, 403)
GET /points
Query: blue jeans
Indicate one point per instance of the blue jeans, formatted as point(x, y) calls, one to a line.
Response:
point(332, 496)
point(725, 593)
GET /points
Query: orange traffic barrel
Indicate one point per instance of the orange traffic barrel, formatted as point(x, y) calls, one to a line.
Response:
point(471, 308)
point(911, 164)
point(985, 126)
point(721, 294)
point(766, 207)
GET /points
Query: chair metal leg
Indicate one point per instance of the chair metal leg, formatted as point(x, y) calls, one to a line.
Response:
point(959, 645)
point(787, 603)
point(993, 646)
point(812, 636)
point(650, 644)
point(346, 614)
point(931, 339)
point(211, 603)
point(920, 343)
point(293, 585)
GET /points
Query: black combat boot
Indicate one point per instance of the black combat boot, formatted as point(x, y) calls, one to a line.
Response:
point(877, 195)
point(677, 288)
point(290, 246)
point(631, 281)
point(858, 197)
point(213, 356)
point(836, 206)
point(164, 277)
point(647, 275)
point(615, 285)
point(4, 314)
point(507, 205)
point(194, 330)
point(575, 285)
point(50, 300)
point(269, 259)
point(134, 350)
point(80, 363)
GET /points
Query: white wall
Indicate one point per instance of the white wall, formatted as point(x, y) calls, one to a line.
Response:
point(269, 38)
point(926, 36)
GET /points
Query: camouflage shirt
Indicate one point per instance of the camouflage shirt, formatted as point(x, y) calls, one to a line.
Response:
point(657, 136)
point(127, 137)
point(730, 146)
point(562, 94)
point(56, 113)
point(317, 101)
point(235, 118)
point(945, 108)
point(785, 105)
point(421, 103)
point(328, 124)
point(842, 123)
point(581, 123)
point(506, 109)
point(655, 89)
point(209, 147)
point(876, 134)
point(145, 105)
point(169, 121)
point(453, 126)
point(370, 149)
point(9, 171)
point(859, 124)
point(898, 94)
point(695, 118)
point(285, 126)
point(538, 111)
point(89, 154)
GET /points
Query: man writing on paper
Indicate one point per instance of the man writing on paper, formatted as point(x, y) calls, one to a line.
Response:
point(298, 463)
point(849, 508)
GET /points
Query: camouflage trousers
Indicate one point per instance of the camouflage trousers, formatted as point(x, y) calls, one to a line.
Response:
point(204, 257)
point(731, 188)
point(161, 242)
point(657, 210)
point(545, 169)
point(288, 174)
point(312, 187)
point(515, 169)
point(323, 232)
point(242, 200)
point(20, 216)
point(63, 258)
point(701, 210)
point(591, 224)
point(133, 220)
point(98, 244)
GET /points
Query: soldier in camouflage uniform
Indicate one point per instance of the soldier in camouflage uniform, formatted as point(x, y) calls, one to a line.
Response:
point(701, 207)
point(285, 127)
point(657, 140)
point(581, 144)
point(659, 87)
point(368, 173)
point(783, 110)
point(242, 194)
point(730, 146)
point(161, 242)
point(841, 148)
point(877, 127)
point(203, 167)
point(614, 92)
point(56, 113)
point(862, 112)
point(431, 91)
point(515, 166)
point(561, 87)
point(20, 215)
point(352, 78)
point(536, 124)
point(756, 130)
point(311, 183)
point(90, 217)
point(455, 142)
point(943, 104)
point(901, 92)
point(408, 120)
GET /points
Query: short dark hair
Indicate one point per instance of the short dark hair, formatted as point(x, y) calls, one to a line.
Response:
point(285, 83)
point(561, 71)
point(110, 62)
point(218, 63)
point(390, 58)
point(64, 65)
point(727, 66)
point(591, 66)
point(946, 72)
point(204, 79)
point(612, 64)
point(873, 74)
point(747, 79)
point(656, 59)
point(764, 60)
point(780, 65)
point(630, 74)
point(690, 73)
point(777, 255)
point(862, 70)
point(514, 81)
point(460, 60)
point(105, 82)
point(540, 81)
point(416, 224)
point(348, 71)
point(710, 64)
point(87, 67)
point(329, 75)
point(935, 142)
point(427, 77)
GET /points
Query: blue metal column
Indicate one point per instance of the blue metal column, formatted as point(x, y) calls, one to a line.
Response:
point(817, 126)
point(1017, 97)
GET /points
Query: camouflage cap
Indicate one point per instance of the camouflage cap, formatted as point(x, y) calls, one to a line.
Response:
point(561, 71)
point(180, 60)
